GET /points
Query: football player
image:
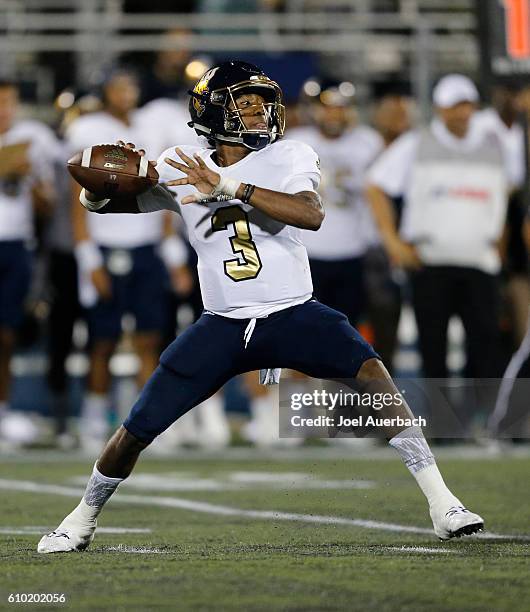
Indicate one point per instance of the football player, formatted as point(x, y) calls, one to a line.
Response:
point(26, 179)
point(345, 151)
point(118, 260)
point(245, 196)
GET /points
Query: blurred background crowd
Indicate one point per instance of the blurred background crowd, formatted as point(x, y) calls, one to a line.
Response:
point(424, 181)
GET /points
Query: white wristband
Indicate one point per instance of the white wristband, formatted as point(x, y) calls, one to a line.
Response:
point(89, 204)
point(88, 256)
point(173, 252)
point(227, 186)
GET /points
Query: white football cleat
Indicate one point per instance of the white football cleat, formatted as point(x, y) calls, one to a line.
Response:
point(455, 522)
point(65, 539)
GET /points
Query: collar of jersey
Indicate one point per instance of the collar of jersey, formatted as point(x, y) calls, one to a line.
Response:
point(211, 164)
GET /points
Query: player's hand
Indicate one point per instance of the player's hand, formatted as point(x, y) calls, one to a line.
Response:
point(403, 255)
point(101, 281)
point(181, 280)
point(20, 167)
point(197, 174)
point(132, 146)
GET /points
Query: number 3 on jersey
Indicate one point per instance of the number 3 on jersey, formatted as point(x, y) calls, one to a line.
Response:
point(242, 243)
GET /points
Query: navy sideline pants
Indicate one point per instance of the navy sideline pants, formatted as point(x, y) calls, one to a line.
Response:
point(311, 338)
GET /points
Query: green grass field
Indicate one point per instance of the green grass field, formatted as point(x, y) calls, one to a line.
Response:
point(212, 540)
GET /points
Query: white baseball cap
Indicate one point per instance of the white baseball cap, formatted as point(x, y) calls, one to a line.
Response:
point(453, 89)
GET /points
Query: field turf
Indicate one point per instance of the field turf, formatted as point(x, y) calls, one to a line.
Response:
point(204, 548)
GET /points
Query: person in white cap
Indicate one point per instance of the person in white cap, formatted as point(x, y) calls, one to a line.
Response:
point(452, 176)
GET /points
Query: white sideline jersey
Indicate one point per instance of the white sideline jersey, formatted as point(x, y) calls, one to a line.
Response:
point(124, 230)
point(249, 265)
point(16, 207)
point(165, 121)
point(348, 229)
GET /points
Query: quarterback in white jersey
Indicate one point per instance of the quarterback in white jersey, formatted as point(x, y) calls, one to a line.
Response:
point(263, 250)
point(240, 112)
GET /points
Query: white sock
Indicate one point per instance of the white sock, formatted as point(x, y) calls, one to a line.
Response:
point(213, 424)
point(97, 493)
point(94, 414)
point(264, 420)
point(412, 447)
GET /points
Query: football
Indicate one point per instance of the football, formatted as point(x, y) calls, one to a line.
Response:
point(112, 170)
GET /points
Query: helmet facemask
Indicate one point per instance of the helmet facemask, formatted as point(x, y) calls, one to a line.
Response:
point(272, 110)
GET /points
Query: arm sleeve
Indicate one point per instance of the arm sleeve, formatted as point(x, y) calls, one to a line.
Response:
point(158, 197)
point(391, 171)
point(152, 200)
point(305, 169)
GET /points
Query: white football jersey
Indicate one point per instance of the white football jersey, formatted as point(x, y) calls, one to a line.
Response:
point(348, 229)
point(118, 231)
point(16, 209)
point(249, 265)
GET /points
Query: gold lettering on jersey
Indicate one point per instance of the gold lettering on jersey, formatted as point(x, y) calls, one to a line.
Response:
point(242, 243)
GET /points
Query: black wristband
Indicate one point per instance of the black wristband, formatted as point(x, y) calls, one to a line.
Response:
point(247, 193)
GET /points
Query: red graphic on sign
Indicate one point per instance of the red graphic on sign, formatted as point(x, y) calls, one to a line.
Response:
point(517, 28)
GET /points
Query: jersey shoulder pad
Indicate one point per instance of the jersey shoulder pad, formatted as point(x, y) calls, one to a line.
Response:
point(301, 157)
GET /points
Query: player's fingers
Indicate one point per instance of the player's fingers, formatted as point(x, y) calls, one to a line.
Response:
point(141, 152)
point(190, 199)
point(120, 142)
point(200, 161)
point(187, 159)
point(130, 145)
point(177, 165)
point(182, 181)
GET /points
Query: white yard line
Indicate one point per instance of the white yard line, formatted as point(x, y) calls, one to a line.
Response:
point(36, 530)
point(421, 549)
point(297, 455)
point(197, 506)
point(137, 550)
point(232, 481)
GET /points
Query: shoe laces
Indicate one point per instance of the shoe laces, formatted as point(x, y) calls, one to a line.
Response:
point(456, 510)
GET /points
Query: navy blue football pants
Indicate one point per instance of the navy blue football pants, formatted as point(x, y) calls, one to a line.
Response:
point(311, 338)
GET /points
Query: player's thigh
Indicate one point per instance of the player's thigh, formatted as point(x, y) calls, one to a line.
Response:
point(191, 369)
point(322, 274)
point(104, 320)
point(320, 342)
point(349, 288)
point(14, 282)
point(147, 291)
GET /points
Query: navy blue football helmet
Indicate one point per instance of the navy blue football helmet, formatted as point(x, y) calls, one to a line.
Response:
point(215, 113)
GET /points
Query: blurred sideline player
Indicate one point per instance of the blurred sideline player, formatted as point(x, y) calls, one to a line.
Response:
point(62, 266)
point(345, 149)
point(245, 195)
point(120, 270)
point(503, 118)
point(392, 117)
point(453, 177)
point(510, 418)
point(26, 191)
